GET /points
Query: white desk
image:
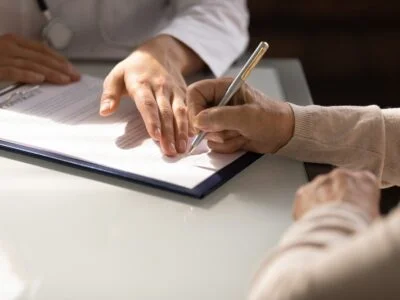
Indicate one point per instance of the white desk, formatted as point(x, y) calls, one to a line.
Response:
point(67, 234)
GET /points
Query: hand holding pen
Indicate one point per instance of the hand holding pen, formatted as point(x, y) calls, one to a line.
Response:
point(254, 121)
point(236, 84)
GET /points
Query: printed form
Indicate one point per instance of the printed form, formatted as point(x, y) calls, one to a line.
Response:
point(66, 120)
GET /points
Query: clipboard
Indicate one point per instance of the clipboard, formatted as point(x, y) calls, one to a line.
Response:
point(200, 190)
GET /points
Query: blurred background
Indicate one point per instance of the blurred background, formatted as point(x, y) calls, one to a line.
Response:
point(349, 51)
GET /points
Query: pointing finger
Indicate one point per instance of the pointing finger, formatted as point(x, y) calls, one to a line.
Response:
point(113, 89)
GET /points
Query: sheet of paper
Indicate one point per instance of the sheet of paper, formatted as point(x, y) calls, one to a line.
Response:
point(65, 120)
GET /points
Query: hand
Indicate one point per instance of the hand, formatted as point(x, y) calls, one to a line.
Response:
point(152, 77)
point(252, 122)
point(28, 61)
point(359, 188)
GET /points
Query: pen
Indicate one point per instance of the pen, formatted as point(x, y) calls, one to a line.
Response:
point(9, 88)
point(235, 85)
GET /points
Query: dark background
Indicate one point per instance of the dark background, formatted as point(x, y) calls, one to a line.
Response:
point(349, 51)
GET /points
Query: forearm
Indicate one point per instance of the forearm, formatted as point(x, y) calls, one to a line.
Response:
point(216, 30)
point(358, 138)
point(328, 254)
point(167, 49)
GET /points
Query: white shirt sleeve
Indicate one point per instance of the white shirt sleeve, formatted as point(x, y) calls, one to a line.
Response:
point(217, 30)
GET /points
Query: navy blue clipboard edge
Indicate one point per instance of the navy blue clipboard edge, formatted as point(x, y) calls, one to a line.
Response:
point(201, 190)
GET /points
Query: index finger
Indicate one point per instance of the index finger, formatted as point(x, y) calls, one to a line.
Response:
point(205, 94)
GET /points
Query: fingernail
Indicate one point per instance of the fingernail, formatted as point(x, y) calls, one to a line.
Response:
point(65, 79)
point(172, 148)
point(72, 70)
point(105, 106)
point(157, 134)
point(182, 146)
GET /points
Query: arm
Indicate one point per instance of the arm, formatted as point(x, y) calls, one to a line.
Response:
point(332, 251)
point(167, 48)
point(354, 137)
point(360, 138)
point(319, 258)
point(216, 30)
point(200, 32)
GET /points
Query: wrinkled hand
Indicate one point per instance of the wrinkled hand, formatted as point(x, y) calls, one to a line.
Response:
point(29, 61)
point(159, 91)
point(359, 188)
point(251, 122)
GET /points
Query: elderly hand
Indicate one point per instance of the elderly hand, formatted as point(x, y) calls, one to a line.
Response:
point(252, 122)
point(359, 188)
point(152, 77)
point(29, 61)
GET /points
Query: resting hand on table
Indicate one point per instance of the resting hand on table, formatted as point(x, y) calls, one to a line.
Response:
point(359, 188)
point(251, 122)
point(29, 61)
point(153, 77)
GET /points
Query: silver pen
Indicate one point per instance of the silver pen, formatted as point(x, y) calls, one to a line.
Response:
point(235, 85)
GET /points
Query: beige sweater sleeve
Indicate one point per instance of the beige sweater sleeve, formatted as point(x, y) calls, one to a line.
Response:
point(334, 252)
point(348, 136)
point(330, 255)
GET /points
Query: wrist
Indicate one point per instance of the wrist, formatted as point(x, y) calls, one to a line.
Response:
point(287, 126)
point(169, 51)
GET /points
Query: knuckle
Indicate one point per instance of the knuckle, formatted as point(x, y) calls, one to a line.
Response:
point(181, 111)
point(322, 177)
point(162, 84)
point(107, 91)
point(149, 103)
point(339, 173)
point(139, 82)
point(336, 171)
point(107, 94)
point(166, 113)
point(368, 176)
point(191, 90)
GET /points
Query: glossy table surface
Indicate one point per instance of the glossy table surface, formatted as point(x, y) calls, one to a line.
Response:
point(72, 235)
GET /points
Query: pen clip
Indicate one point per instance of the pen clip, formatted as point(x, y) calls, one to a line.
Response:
point(253, 61)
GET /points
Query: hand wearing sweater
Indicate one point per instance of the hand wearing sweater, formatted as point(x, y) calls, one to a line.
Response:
point(336, 249)
point(353, 137)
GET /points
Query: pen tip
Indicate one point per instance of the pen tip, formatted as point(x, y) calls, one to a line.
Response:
point(191, 150)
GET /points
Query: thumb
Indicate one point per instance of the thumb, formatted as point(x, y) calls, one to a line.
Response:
point(217, 119)
point(113, 89)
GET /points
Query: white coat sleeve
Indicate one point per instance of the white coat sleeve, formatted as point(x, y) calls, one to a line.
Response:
point(216, 30)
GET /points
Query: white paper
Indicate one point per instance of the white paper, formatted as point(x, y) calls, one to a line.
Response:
point(66, 120)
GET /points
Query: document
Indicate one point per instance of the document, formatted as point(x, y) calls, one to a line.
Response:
point(63, 123)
